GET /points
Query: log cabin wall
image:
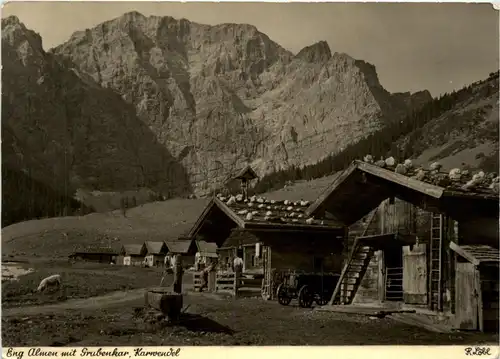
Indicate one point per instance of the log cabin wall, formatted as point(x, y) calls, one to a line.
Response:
point(313, 254)
point(295, 251)
point(252, 260)
point(292, 250)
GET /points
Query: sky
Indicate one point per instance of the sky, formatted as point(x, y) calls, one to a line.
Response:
point(414, 46)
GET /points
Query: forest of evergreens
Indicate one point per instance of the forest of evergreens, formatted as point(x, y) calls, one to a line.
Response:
point(24, 198)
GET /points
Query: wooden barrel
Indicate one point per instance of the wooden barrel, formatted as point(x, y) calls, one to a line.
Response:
point(164, 300)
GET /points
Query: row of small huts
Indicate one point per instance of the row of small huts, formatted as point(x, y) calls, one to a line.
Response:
point(149, 253)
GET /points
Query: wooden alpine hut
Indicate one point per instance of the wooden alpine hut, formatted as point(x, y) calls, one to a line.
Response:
point(425, 239)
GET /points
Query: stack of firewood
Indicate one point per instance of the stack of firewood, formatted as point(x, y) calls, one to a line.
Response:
point(455, 179)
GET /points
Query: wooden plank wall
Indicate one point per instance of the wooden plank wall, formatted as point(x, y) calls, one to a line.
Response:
point(294, 251)
point(466, 312)
point(248, 252)
point(368, 290)
point(490, 297)
point(397, 216)
point(291, 251)
point(415, 274)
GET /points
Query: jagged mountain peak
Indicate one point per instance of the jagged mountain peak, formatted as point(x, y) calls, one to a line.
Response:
point(14, 31)
point(11, 20)
point(317, 53)
point(20, 45)
point(215, 97)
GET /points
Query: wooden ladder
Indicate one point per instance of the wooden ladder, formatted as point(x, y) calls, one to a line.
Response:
point(354, 270)
point(436, 247)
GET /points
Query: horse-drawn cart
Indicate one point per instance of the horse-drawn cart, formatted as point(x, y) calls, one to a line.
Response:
point(306, 288)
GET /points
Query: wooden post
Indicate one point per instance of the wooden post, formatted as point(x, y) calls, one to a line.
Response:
point(237, 279)
point(381, 275)
point(479, 295)
point(211, 281)
point(178, 274)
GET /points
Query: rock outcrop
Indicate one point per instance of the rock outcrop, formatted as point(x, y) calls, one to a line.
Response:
point(207, 99)
point(61, 128)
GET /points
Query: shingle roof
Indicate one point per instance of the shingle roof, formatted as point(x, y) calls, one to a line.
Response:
point(363, 186)
point(246, 173)
point(91, 249)
point(154, 247)
point(179, 246)
point(482, 185)
point(206, 249)
point(477, 253)
point(132, 249)
point(263, 210)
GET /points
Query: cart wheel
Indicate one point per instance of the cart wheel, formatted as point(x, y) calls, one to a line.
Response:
point(321, 300)
point(305, 297)
point(283, 297)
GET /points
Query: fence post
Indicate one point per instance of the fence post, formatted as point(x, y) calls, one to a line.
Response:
point(237, 277)
point(211, 281)
point(178, 271)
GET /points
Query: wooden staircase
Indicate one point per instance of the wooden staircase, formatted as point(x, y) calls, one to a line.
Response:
point(436, 264)
point(354, 269)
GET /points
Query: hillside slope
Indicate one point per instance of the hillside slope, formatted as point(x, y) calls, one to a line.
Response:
point(219, 97)
point(57, 237)
point(465, 136)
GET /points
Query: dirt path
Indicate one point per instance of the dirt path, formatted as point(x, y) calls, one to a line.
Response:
point(85, 303)
point(97, 302)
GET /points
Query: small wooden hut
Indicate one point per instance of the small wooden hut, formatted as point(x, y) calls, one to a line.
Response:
point(278, 235)
point(183, 246)
point(100, 254)
point(155, 253)
point(133, 254)
point(206, 251)
point(476, 278)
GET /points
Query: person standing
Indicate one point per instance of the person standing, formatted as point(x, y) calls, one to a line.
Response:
point(238, 268)
point(197, 259)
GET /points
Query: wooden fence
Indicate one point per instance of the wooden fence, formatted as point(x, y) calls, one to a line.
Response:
point(225, 282)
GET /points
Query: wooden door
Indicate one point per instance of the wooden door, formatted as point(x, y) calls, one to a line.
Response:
point(415, 274)
point(466, 302)
point(267, 282)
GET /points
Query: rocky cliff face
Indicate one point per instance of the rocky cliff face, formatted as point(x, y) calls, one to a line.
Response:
point(207, 99)
point(68, 132)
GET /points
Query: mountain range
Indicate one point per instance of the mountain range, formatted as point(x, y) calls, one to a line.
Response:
point(177, 107)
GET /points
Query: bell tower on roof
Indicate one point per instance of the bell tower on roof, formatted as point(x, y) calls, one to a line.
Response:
point(245, 176)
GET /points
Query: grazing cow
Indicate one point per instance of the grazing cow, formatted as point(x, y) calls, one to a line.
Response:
point(52, 281)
